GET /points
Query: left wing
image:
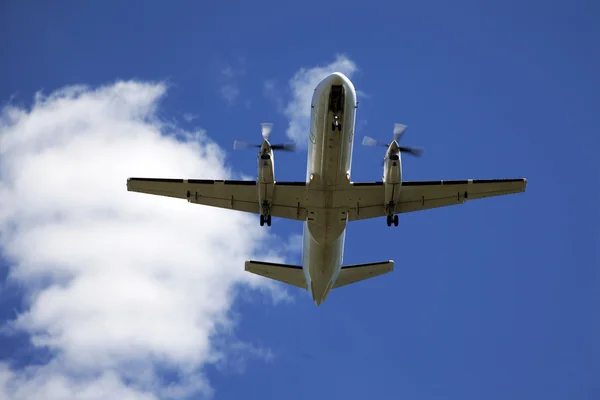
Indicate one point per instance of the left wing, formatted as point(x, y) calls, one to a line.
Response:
point(288, 197)
point(366, 199)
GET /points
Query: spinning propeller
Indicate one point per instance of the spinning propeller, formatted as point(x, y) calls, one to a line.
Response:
point(266, 133)
point(398, 132)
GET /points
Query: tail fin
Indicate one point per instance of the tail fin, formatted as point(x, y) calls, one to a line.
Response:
point(290, 274)
point(358, 272)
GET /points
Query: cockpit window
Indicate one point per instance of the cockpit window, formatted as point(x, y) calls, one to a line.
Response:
point(394, 157)
point(265, 157)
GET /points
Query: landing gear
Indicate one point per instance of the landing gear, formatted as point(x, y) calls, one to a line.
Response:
point(266, 213)
point(336, 124)
point(264, 219)
point(392, 219)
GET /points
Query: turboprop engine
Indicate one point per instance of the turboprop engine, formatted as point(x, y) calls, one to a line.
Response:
point(392, 169)
point(266, 169)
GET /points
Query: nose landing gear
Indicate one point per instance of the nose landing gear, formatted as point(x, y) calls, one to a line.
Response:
point(336, 124)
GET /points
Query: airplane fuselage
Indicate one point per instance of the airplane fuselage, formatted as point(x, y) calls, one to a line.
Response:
point(331, 139)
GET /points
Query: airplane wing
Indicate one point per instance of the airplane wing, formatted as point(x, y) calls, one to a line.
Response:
point(366, 198)
point(229, 194)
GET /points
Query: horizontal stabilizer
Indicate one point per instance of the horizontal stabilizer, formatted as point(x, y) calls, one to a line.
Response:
point(290, 274)
point(358, 272)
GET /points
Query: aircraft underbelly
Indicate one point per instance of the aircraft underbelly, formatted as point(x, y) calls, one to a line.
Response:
point(322, 262)
point(330, 158)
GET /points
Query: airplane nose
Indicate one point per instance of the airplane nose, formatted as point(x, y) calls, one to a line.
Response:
point(336, 78)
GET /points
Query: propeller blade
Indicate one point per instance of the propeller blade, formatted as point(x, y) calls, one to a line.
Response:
point(398, 131)
point(243, 145)
point(284, 147)
point(266, 130)
point(415, 151)
point(369, 141)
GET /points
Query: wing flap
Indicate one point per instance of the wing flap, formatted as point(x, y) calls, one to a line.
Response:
point(359, 272)
point(363, 199)
point(290, 274)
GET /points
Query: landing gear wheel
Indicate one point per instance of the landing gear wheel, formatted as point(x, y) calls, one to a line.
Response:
point(339, 127)
point(262, 220)
point(269, 220)
point(389, 220)
point(395, 220)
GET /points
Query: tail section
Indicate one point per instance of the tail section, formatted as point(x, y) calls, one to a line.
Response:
point(294, 275)
point(290, 274)
point(359, 272)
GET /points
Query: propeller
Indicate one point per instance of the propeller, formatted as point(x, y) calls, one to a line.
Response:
point(266, 134)
point(398, 132)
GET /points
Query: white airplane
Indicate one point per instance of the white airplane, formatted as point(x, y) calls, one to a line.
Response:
point(328, 199)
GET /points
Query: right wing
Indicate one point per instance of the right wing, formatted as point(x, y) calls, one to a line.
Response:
point(288, 197)
point(366, 199)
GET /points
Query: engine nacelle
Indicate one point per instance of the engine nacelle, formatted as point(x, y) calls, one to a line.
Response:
point(266, 180)
point(392, 179)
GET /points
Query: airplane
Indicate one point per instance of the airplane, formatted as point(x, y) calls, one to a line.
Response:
point(328, 199)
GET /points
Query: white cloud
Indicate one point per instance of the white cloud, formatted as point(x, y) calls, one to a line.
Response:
point(303, 84)
point(230, 92)
point(360, 93)
point(271, 92)
point(294, 244)
point(228, 72)
point(231, 71)
point(118, 283)
point(189, 117)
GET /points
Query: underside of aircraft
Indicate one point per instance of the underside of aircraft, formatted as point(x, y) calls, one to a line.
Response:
point(327, 200)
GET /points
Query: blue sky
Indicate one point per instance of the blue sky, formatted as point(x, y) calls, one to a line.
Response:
point(494, 299)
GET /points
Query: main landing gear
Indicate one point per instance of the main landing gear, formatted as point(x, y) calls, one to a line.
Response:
point(391, 218)
point(265, 215)
point(264, 219)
